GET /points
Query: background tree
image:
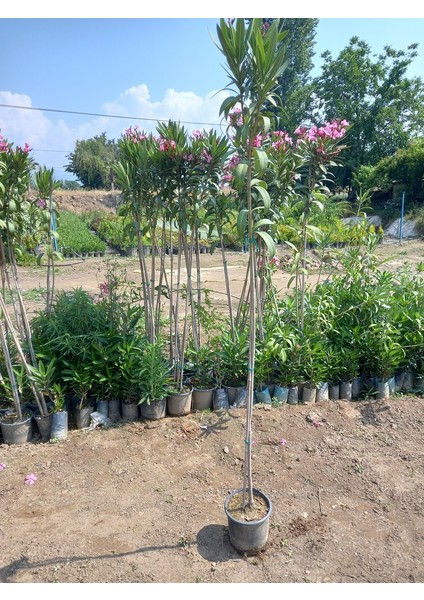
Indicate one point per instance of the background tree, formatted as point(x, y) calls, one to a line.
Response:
point(373, 93)
point(294, 84)
point(405, 167)
point(92, 161)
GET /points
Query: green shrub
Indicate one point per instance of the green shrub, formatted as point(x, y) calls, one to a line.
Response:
point(75, 237)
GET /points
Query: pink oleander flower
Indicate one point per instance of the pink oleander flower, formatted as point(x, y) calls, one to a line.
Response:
point(30, 479)
point(26, 149)
point(41, 203)
point(275, 261)
point(165, 145)
point(283, 442)
point(235, 117)
point(197, 134)
point(2, 466)
point(135, 135)
point(206, 156)
point(104, 289)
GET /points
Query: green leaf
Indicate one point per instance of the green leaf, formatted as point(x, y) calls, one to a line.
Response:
point(270, 244)
point(263, 222)
point(265, 197)
point(240, 174)
point(261, 160)
point(242, 222)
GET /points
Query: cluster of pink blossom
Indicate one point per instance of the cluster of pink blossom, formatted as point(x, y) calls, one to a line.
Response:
point(281, 141)
point(165, 145)
point(104, 289)
point(135, 135)
point(196, 134)
point(235, 117)
point(207, 156)
point(6, 147)
point(26, 149)
point(4, 144)
point(41, 203)
point(229, 168)
point(334, 130)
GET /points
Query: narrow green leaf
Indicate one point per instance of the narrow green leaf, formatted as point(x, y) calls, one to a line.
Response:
point(242, 223)
point(270, 244)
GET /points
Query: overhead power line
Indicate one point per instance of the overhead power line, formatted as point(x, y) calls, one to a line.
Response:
point(90, 114)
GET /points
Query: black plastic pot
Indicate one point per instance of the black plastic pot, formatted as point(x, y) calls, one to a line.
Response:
point(248, 536)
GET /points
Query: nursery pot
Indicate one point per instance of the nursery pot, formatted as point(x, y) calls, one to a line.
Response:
point(114, 410)
point(153, 411)
point(202, 399)
point(309, 394)
point(346, 390)
point(44, 426)
point(419, 382)
point(102, 406)
point(179, 404)
point(130, 411)
point(356, 387)
point(322, 392)
point(248, 536)
point(59, 425)
point(220, 399)
point(280, 394)
point(16, 432)
point(293, 395)
point(263, 395)
point(334, 392)
point(232, 392)
point(82, 416)
point(383, 389)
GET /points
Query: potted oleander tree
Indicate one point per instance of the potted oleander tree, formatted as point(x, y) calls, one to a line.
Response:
point(155, 379)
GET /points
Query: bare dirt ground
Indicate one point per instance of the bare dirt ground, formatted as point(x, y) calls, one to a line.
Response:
point(142, 502)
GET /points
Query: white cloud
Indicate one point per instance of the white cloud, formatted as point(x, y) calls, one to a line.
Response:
point(52, 138)
point(22, 126)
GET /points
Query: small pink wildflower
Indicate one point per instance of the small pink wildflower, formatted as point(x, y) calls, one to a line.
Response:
point(317, 424)
point(2, 466)
point(30, 479)
point(283, 442)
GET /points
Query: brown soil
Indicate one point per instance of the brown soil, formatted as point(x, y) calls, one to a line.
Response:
point(143, 502)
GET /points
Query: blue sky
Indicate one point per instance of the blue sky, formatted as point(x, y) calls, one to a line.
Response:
point(156, 68)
